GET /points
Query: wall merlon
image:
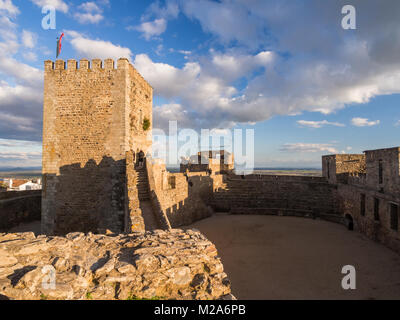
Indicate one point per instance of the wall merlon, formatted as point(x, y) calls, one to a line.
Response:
point(109, 64)
point(48, 65)
point(123, 64)
point(97, 64)
point(72, 64)
point(84, 64)
point(60, 65)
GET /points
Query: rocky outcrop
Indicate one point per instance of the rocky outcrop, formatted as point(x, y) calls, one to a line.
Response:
point(172, 264)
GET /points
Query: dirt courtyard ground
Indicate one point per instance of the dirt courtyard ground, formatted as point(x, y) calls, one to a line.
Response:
point(270, 257)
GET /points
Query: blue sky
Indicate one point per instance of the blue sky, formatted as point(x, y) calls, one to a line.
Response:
point(286, 69)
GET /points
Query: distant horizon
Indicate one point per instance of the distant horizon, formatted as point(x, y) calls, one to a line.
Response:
point(30, 169)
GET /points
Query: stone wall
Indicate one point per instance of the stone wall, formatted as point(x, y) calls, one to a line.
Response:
point(216, 161)
point(139, 109)
point(333, 165)
point(93, 115)
point(388, 159)
point(17, 194)
point(151, 265)
point(350, 201)
point(19, 207)
point(368, 188)
point(276, 195)
point(180, 198)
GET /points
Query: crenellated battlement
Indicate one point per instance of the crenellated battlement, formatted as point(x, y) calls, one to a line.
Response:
point(93, 65)
point(85, 64)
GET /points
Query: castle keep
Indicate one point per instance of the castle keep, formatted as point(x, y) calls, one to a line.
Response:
point(94, 114)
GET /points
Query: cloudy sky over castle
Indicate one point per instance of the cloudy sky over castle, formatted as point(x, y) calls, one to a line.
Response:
point(286, 69)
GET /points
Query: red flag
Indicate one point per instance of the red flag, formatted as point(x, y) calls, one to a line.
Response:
point(59, 44)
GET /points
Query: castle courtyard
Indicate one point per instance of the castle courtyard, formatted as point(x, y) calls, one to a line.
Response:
point(270, 257)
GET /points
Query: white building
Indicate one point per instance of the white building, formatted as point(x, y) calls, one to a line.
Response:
point(29, 186)
point(23, 185)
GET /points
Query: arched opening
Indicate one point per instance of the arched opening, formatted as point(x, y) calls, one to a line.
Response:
point(349, 222)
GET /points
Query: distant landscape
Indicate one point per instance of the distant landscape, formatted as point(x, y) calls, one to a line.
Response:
point(283, 171)
point(36, 172)
point(21, 173)
point(314, 172)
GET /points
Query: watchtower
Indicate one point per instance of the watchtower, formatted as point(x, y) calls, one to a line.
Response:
point(94, 115)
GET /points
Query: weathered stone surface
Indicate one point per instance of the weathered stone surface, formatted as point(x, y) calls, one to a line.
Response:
point(6, 259)
point(164, 265)
point(180, 276)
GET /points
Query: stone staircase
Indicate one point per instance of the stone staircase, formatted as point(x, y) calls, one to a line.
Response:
point(142, 183)
point(145, 199)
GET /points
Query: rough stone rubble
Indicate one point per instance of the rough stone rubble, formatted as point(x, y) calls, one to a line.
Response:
point(160, 264)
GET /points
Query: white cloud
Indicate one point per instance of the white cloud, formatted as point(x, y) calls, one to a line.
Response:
point(90, 7)
point(167, 80)
point(169, 11)
point(5, 22)
point(159, 50)
point(88, 17)
point(9, 7)
point(151, 28)
point(174, 111)
point(228, 20)
point(19, 155)
point(318, 124)
point(233, 66)
point(21, 72)
point(20, 159)
point(155, 20)
point(308, 147)
point(364, 122)
point(59, 5)
point(16, 144)
point(91, 13)
point(91, 49)
point(29, 39)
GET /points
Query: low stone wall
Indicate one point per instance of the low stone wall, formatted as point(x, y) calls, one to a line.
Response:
point(19, 207)
point(153, 265)
point(276, 195)
point(18, 194)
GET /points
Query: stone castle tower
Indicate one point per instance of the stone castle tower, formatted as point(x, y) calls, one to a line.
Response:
point(96, 116)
